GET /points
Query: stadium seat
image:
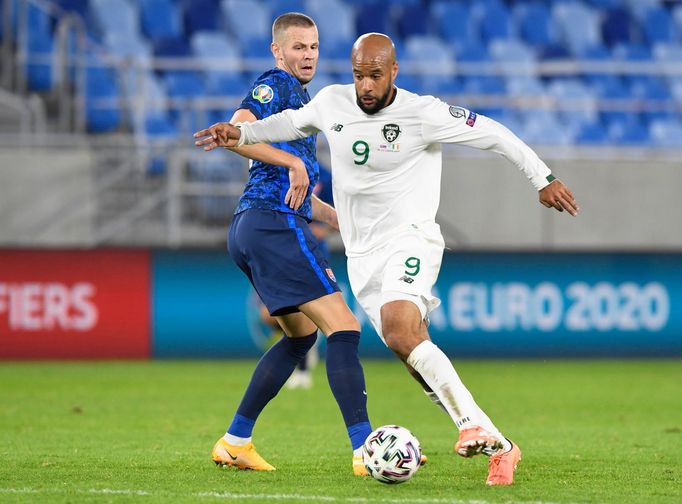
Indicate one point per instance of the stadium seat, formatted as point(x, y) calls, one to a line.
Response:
point(656, 97)
point(215, 51)
point(335, 22)
point(413, 20)
point(253, 14)
point(172, 48)
point(184, 84)
point(452, 23)
point(577, 103)
point(79, 6)
point(512, 57)
point(102, 96)
point(628, 132)
point(495, 23)
point(577, 25)
point(541, 127)
point(432, 61)
point(117, 16)
point(612, 94)
point(524, 86)
point(161, 19)
point(371, 17)
point(592, 134)
point(40, 54)
point(535, 24)
point(666, 133)
point(202, 15)
point(658, 26)
point(618, 26)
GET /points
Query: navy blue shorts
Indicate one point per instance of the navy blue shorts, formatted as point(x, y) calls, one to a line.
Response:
point(281, 257)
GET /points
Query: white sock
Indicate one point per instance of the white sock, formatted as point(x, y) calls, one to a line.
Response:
point(437, 371)
point(236, 441)
point(357, 452)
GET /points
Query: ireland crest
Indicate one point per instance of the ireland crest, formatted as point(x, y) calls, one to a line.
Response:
point(391, 132)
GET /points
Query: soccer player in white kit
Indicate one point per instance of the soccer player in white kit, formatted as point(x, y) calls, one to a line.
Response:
point(386, 162)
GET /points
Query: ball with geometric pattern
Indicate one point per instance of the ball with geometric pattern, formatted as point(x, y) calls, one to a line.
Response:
point(391, 454)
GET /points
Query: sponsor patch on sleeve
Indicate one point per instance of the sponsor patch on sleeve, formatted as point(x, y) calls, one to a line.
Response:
point(471, 120)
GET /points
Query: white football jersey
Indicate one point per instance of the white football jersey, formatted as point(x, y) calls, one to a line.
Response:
point(386, 167)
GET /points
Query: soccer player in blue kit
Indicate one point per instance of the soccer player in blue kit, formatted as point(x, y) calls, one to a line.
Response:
point(271, 242)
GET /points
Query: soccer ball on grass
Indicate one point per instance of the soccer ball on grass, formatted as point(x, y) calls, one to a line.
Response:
point(391, 454)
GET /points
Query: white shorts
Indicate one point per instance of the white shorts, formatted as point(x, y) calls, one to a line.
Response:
point(405, 268)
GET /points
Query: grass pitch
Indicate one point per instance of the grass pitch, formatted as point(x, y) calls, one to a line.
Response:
point(590, 431)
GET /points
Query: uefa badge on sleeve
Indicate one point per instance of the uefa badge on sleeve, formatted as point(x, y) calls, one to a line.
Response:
point(330, 274)
point(263, 93)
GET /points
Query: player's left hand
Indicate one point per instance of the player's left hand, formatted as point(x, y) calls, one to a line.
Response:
point(221, 134)
point(557, 195)
point(298, 185)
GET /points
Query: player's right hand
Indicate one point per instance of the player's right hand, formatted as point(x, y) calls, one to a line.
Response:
point(298, 185)
point(221, 134)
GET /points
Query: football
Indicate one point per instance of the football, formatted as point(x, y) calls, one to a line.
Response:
point(391, 454)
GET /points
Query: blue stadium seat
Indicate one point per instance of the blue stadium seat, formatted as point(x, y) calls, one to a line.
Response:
point(41, 53)
point(535, 24)
point(612, 92)
point(658, 26)
point(656, 96)
point(172, 48)
point(202, 15)
point(426, 54)
point(102, 97)
point(592, 134)
point(161, 19)
point(513, 57)
point(413, 20)
point(452, 21)
point(258, 48)
point(542, 127)
point(631, 131)
point(187, 84)
point(496, 23)
point(213, 48)
point(618, 26)
point(79, 6)
point(577, 25)
point(524, 86)
point(371, 17)
point(666, 133)
point(247, 20)
point(335, 22)
point(117, 16)
point(636, 53)
point(580, 100)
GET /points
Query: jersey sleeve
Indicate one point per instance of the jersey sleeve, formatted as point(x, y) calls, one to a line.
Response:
point(267, 97)
point(442, 123)
point(285, 126)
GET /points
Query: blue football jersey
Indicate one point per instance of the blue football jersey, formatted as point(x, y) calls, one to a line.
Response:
point(273, 92)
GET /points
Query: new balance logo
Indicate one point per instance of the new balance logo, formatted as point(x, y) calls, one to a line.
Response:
point(337, 127)
point(407, 279)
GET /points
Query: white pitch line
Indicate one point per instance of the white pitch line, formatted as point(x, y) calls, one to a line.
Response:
point(260, 497)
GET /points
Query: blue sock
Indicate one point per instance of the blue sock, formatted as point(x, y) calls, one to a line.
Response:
point(347, 382)
point(272, 371)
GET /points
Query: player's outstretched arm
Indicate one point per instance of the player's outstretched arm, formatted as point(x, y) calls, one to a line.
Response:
point(557, 195)
point(221, 134)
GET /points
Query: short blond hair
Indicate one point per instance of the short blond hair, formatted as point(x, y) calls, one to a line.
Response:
point(286, 21)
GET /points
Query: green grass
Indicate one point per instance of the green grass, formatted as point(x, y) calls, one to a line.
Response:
point(591, 431)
